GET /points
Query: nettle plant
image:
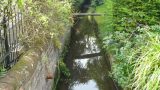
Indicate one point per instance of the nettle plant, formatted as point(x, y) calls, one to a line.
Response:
point(45, 20)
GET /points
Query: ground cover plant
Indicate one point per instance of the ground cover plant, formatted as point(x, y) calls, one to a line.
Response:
point(130, 33)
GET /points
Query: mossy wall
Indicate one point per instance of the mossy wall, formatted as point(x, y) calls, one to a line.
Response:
point(35, 69)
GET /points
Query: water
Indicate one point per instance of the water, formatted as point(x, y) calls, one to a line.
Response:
point(89, 67)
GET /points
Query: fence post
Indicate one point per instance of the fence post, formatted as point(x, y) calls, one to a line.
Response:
point(7, 58)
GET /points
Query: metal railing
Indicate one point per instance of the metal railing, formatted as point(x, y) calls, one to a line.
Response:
point(11, 27)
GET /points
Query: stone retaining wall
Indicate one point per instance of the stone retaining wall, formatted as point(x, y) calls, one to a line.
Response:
point(35, 69)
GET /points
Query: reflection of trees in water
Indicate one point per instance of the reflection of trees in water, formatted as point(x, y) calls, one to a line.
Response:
point(80, 39)
point(79, 75)
point(87, 34)
point(98, 71)
point(84, 27)
point(96, 67)
point(82, 31)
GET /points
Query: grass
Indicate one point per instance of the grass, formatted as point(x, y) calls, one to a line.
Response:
point(105, 22)
point(136, 55)
point(147, 67)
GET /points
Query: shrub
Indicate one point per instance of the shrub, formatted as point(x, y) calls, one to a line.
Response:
point(129, 32)
point(44, 20)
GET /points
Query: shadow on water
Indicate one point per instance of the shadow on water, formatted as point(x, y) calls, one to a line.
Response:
point(87, 64)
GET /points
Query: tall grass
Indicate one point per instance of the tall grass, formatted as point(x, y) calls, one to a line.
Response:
point(136, 60)
point(135, 53)
point(147, 66)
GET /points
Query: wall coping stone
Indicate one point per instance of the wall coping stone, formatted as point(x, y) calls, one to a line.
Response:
point(23, 70)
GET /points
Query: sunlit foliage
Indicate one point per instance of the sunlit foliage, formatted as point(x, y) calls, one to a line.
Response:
point(45, 19)
point(130, 33)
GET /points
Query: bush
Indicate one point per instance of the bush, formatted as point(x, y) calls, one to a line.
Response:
point(129, 32)
point(44, 20)
point(136, 59)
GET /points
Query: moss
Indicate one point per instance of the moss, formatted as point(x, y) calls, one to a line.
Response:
point(23, 70)
point(20, 65)
point(26, 63)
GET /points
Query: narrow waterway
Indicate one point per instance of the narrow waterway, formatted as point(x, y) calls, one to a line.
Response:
point(87, 64)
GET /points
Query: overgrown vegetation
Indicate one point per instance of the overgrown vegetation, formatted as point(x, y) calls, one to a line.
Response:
point(62, 71)
point(130, 32)
point(129, 29)
point(76, 4)
point(45, 19)
point(2, 71)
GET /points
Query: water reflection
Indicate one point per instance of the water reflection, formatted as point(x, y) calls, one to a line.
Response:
point(89, 70)
point(90, 85)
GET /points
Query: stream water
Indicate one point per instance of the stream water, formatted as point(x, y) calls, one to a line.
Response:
point(88, 65)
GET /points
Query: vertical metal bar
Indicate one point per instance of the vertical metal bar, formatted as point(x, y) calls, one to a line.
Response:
point(7, 58)
point(16, 33)
point(1, 47)
point(19, 25)
point(22, 22)
point(9, 33)
point(13, 33)
point(2, 42)
point(19, 29)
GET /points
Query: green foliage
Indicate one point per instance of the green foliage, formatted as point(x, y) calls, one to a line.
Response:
point(129, 14)
point(136, 58)
point(44, 21)
point(126, 34)
point(105, 22)
point(63, 69)
point(76, 4)
point(97, 2)
point(147, 66)
point(5, 3)
point(20, 3)
point(2, 71)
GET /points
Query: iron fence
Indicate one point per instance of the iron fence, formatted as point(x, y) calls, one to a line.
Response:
point(11, 27)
